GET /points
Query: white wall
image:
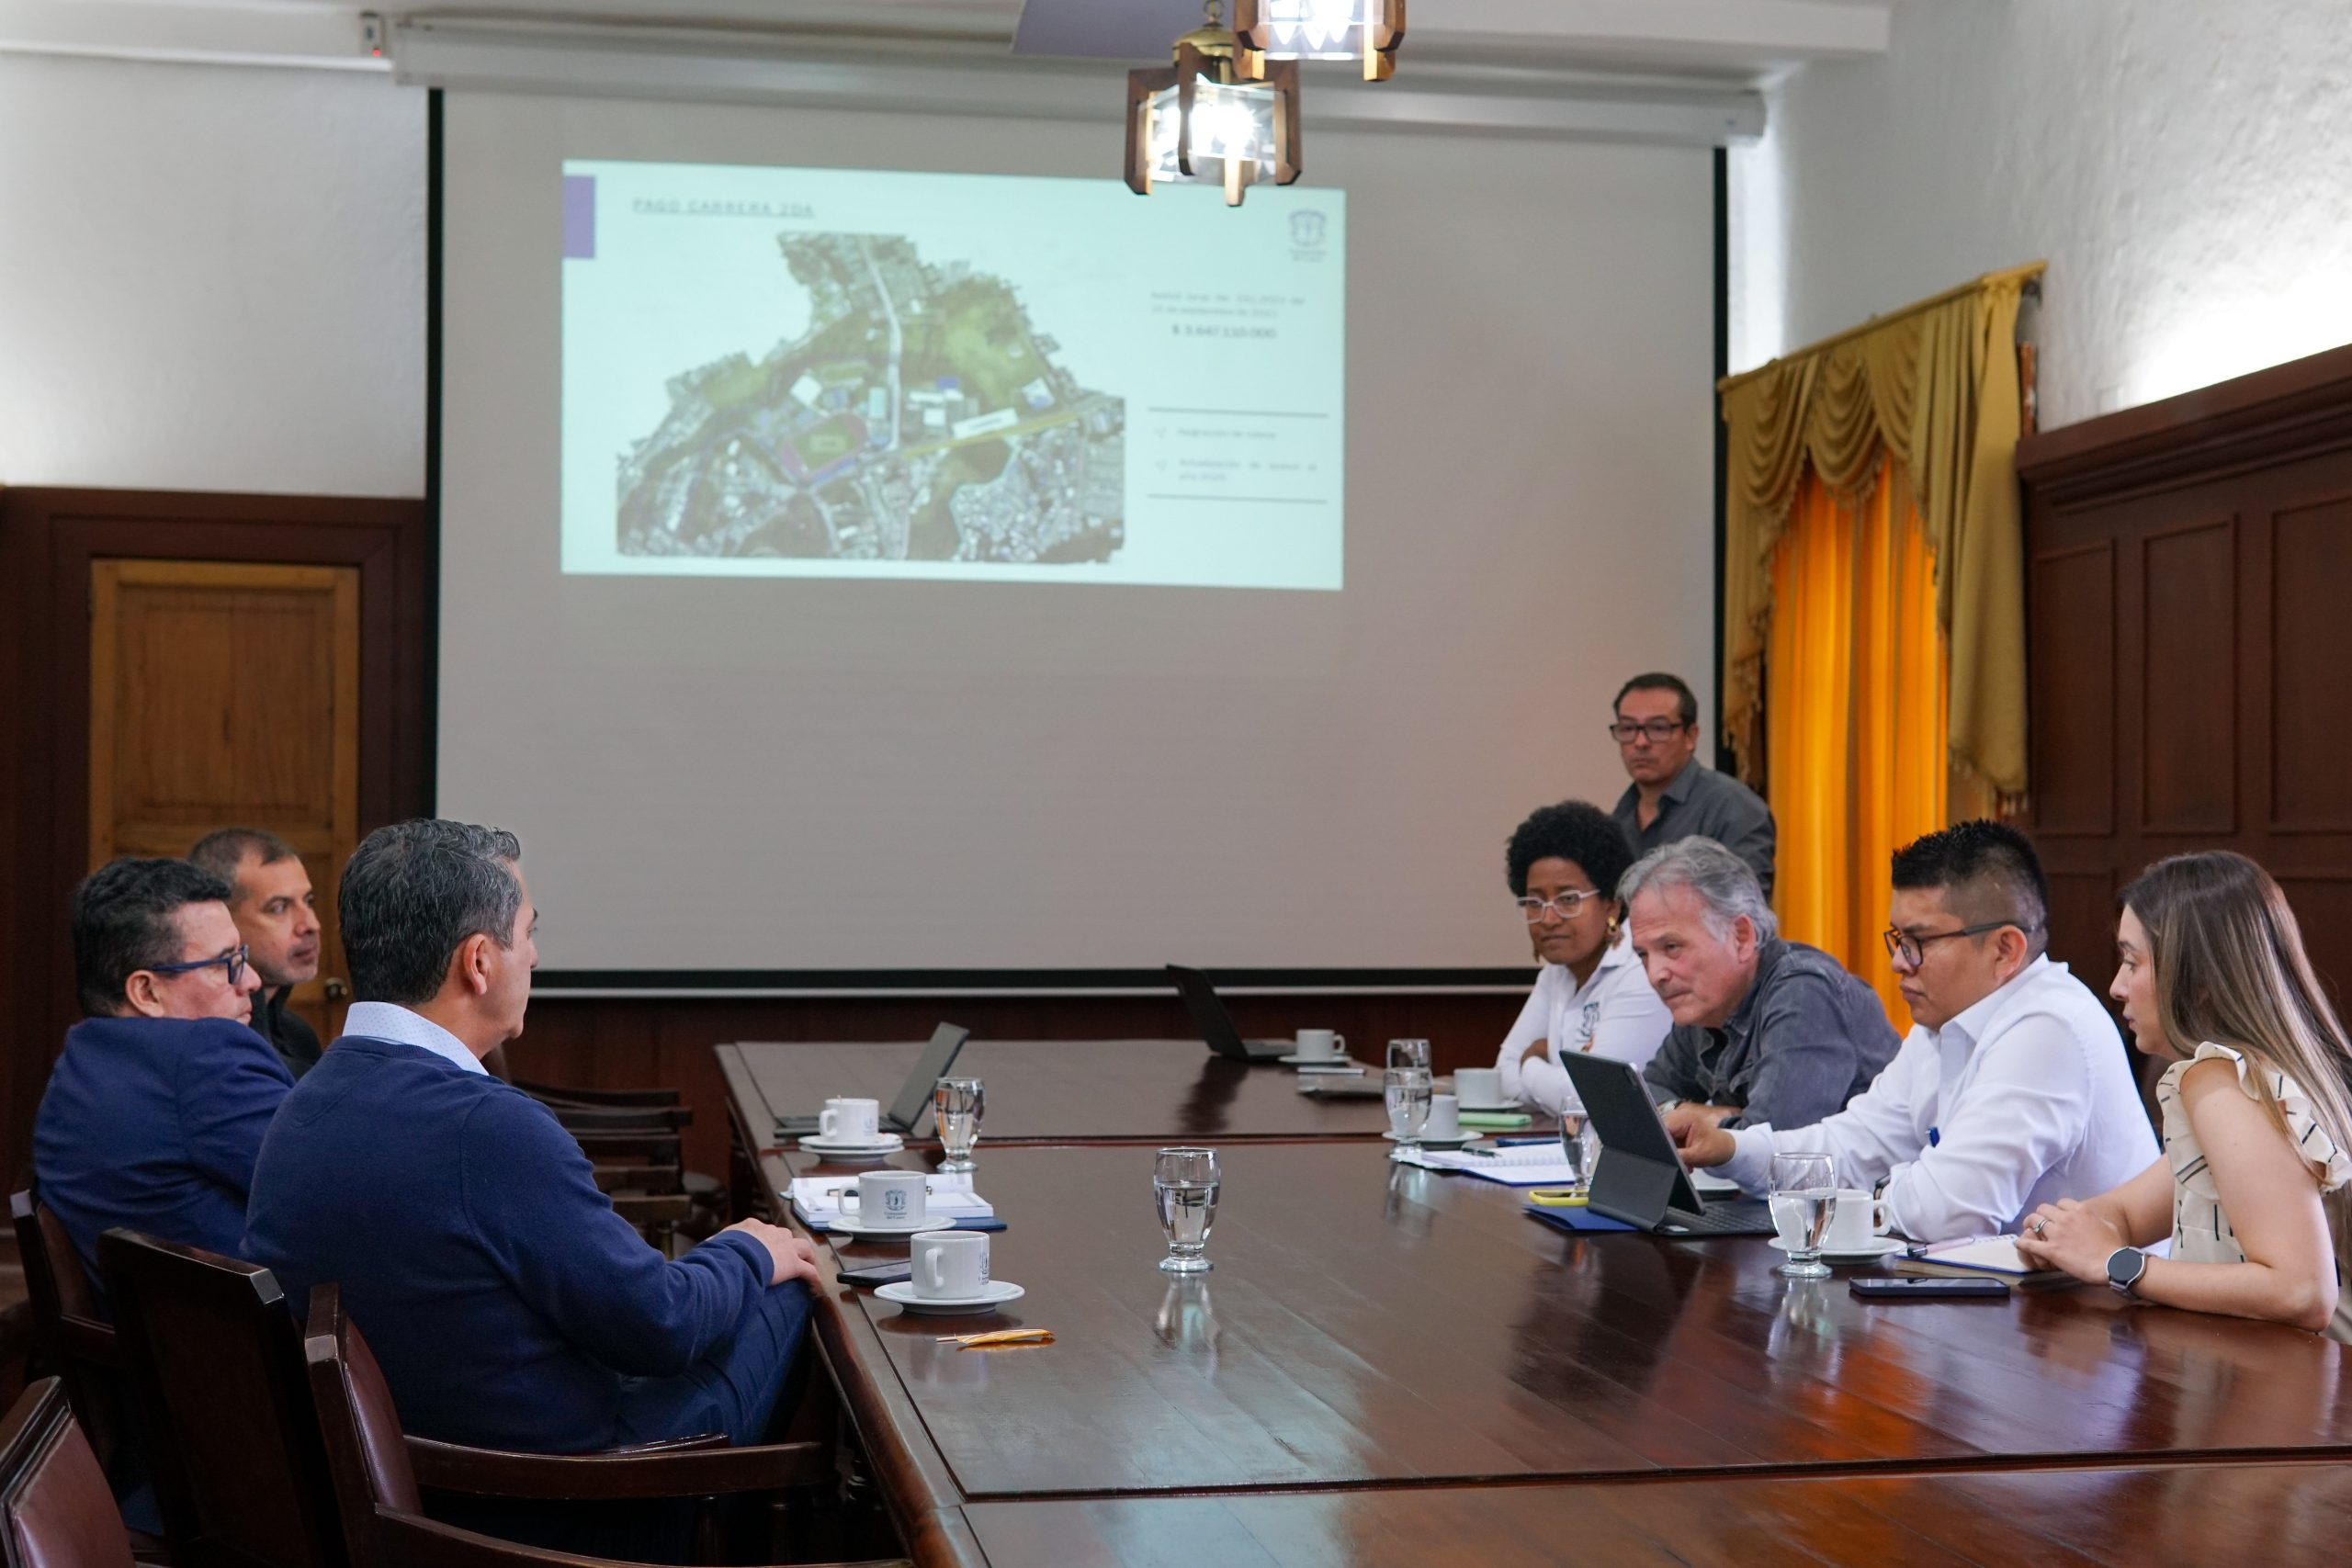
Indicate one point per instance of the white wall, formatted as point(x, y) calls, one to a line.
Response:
point(210, 279)
point(2185, 166)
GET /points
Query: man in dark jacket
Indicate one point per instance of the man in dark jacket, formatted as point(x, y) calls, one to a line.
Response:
point(154, 1112)
point(270, 897)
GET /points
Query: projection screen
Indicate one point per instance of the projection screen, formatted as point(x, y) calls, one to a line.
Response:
point(873, 543)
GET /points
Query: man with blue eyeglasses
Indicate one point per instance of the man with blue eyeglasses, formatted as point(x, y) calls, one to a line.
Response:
point(155, 1110)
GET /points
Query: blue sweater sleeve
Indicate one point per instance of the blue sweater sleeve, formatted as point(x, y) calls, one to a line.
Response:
point(532, 1202)
point(229, 1089)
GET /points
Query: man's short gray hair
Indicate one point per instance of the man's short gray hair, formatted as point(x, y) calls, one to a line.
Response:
point(1724, 885)
point(412, 893)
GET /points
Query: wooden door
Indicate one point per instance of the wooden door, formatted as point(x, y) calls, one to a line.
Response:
point(226, 693)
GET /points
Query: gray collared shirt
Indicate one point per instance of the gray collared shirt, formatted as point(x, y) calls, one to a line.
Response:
point(1701, 803)
point(1806, 1038)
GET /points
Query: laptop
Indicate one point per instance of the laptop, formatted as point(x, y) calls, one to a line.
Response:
point(1215, 1024)
point(1639, 1178)
point(905, 1113)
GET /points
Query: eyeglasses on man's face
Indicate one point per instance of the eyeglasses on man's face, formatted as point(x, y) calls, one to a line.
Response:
point(1656, 731)
point(1565, 906)
point(1908, 950)
point(233, 961)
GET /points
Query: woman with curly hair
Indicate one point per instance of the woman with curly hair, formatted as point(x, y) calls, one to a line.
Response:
point(1593, 994)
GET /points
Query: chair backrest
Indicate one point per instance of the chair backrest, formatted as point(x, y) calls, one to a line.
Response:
point(55, 1509)
point(215, 1363)
point(367, 1450)
point(67, 1327)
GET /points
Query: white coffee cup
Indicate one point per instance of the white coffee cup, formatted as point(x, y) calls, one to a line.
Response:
point(849, 1121)
point(891, 1198)
point(1856, 1221)
point(1445, 1120)
point(949, 1265)
point(1321, 1043)
point(1480, 1088)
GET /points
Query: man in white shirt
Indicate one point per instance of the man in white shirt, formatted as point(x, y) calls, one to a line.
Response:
point(2013, 1089)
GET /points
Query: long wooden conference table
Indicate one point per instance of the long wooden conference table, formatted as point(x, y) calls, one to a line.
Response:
point(1392, 1365)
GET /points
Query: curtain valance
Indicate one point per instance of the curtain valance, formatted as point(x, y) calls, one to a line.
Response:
point(1933, 388)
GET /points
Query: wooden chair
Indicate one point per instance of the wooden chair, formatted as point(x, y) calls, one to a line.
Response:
point(69, 1335)
point(56, 1510)
point(212, 1360)
point(377, 1475)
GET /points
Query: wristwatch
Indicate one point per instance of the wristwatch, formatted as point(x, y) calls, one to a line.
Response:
point(2124, 1267)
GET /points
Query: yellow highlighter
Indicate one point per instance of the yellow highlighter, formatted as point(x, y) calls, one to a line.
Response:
point(1557, 1197)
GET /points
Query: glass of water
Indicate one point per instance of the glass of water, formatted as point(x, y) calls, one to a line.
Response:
point(1804, 1195)
point(958, 1103)
point(1410, 1054)
point(1580, 1147)
point(1184, 1185)
point(1409, 1103)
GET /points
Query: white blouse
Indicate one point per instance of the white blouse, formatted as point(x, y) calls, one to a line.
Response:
point(1614, 1013)
point(2200, 1230)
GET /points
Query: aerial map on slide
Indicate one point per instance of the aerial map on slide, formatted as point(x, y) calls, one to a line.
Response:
point(921, 417)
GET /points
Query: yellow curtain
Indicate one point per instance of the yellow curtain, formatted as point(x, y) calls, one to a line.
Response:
point(1933, 389)
point(1855, 715)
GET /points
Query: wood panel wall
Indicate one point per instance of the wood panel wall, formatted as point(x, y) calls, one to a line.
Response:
point(50, 540)
point(2188, 584)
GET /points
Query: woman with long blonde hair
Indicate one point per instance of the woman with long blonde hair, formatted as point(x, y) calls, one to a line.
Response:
point(2252, 1185)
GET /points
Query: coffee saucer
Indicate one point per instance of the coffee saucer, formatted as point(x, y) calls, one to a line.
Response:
point(1331, 1059)
point(887, 1144)
point(998, 1294)
point(1880, 1246)
point(1428, 1142)
point(844, 1225)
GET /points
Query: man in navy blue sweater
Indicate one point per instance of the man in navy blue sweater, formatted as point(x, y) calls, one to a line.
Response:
point(156, 1111)
point(508, 1304)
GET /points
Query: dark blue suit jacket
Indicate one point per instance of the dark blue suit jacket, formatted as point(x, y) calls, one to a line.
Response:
point(503, 1296)
point(154, 1123)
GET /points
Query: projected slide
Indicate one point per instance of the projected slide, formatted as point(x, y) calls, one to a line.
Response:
point(846, 373)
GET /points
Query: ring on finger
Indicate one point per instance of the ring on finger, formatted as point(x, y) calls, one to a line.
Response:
point(2041, 1227)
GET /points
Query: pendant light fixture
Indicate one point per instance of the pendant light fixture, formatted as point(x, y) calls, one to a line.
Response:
point(1365, 31)
point(1203, 121)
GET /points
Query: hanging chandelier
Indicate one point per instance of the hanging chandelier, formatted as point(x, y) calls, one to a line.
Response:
point(1368, 30)
point(1202, 121)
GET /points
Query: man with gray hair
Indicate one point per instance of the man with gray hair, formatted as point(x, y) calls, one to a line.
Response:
point(509, 1307)
point(1765, 1029)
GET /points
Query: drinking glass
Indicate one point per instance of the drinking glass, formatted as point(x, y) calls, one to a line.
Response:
point(958, 1104)
point(1409, 1103)
point(1804, 1196)
point(1185, 1185)
point(1410, 1054)
point(1580, 1147)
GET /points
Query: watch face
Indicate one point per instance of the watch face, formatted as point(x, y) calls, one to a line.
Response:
point(2124, 1266)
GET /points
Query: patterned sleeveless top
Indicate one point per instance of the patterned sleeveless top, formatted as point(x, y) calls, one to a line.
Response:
point(2200, 1230)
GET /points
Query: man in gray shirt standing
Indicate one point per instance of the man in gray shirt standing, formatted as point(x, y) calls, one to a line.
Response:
point(1765, 1031)
point(1673, 796)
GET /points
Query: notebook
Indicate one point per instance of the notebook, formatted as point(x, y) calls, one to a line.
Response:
point(1988, 1255)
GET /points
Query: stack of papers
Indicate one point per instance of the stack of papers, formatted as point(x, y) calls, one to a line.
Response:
point(1515, 1164)
point(816, 1200)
